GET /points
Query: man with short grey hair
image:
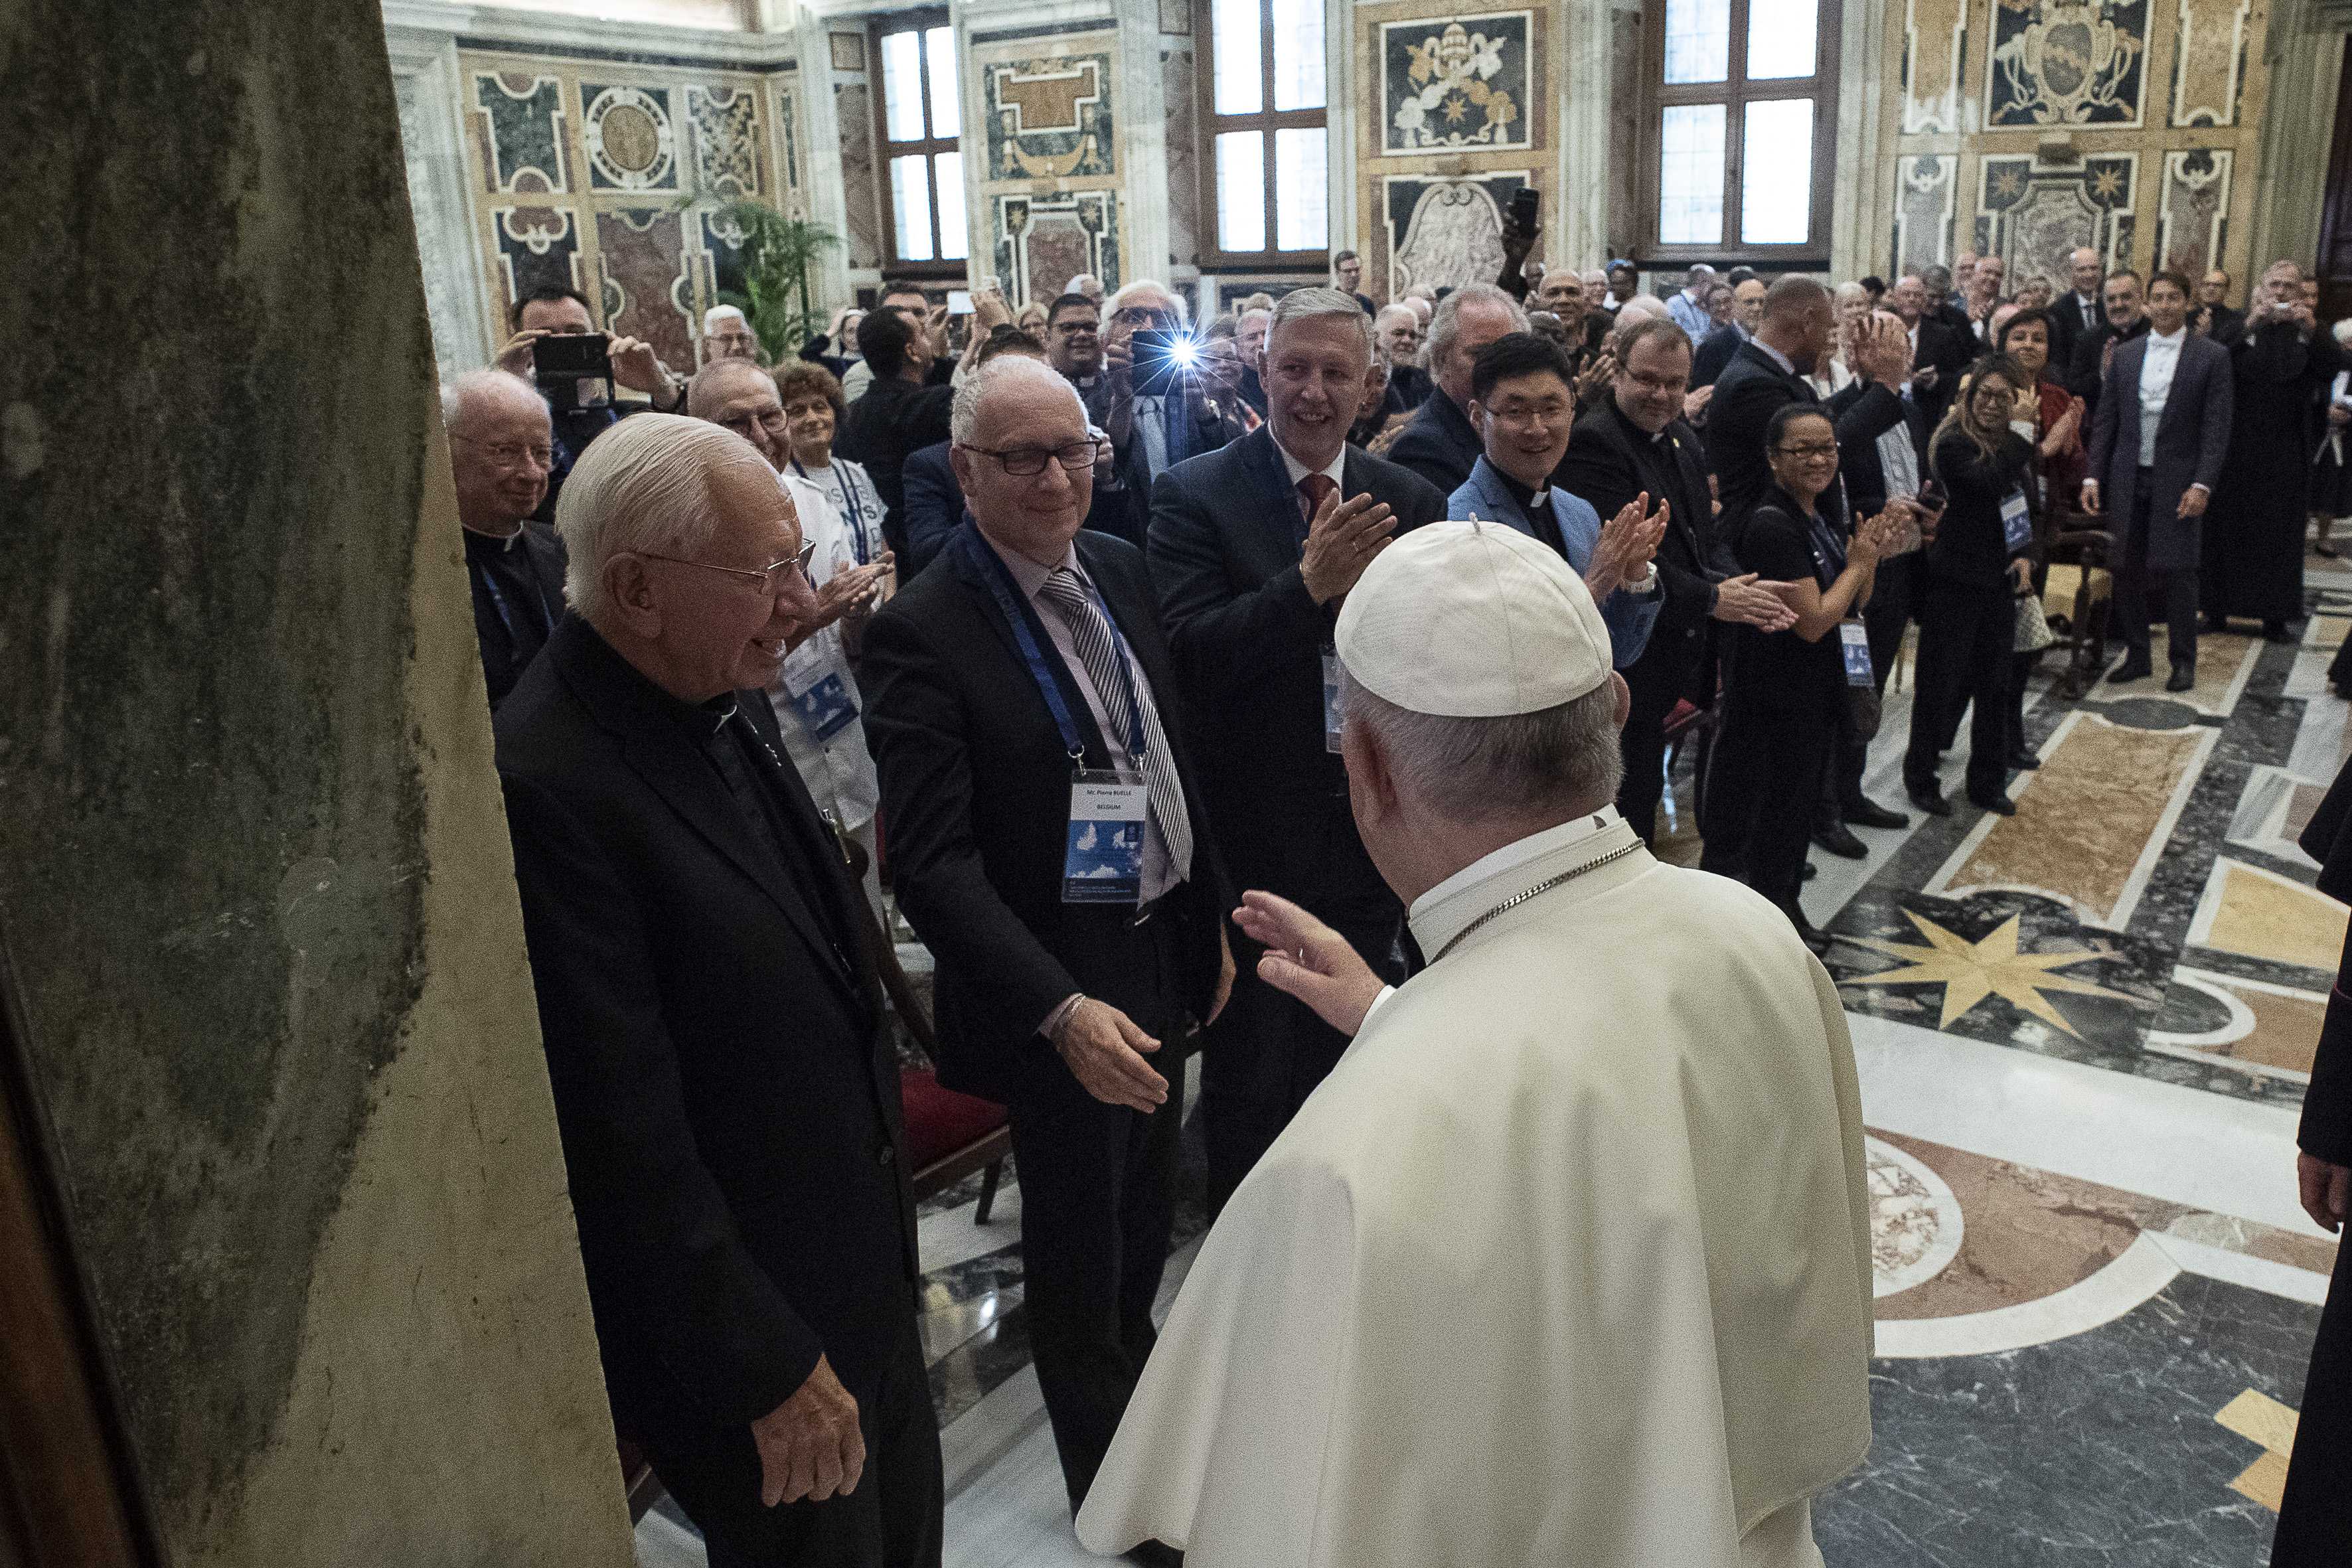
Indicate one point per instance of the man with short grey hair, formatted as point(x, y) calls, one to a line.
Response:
point(1688, 307)
point(723, 1079)
point(1396, 330)
point(501, 450)
point(1440, 444)
point(1048, 845)
point(1254, 547)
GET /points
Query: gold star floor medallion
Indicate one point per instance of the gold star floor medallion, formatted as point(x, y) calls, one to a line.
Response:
point(1971, 971)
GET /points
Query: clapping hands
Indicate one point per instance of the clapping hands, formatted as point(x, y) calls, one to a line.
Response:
point(1627, 541)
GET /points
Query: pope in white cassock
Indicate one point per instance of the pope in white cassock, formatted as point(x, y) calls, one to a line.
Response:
point(1567, 1263)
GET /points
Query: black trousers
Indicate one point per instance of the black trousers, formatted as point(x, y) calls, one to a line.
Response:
point(2180, 589)
point(1097, 1205)
point(1764, 777)
point(891, 1520)
point(1654, 690)
point(2314, 1528)
point(1967, 633)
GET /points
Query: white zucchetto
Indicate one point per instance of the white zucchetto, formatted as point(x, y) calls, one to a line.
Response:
point(1473, 620)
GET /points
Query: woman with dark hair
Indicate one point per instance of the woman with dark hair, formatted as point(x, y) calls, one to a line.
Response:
point(2056, 416)
point(1971, 577)
point(812, 412)
point(1783, 690)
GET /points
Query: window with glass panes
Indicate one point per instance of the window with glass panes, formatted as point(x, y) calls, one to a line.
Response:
point(919, 114)
point(1740, 128)
point(1262, 109)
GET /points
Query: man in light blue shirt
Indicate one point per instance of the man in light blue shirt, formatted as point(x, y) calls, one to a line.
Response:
point(1522, 406)
point(1689, 306)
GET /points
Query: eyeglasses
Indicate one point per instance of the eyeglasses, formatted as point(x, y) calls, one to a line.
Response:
point(1809, 450)
point(769, 576)
point(773, 418)
point(1027, 462)
point(511, 454)
point(1073, 329)
point(1993, 395)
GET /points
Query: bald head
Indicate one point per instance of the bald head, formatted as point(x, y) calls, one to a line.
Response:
point(1799, 321)
point(501, 449)
point(738, 395)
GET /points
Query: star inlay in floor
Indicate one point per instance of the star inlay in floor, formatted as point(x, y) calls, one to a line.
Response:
point(1971, 971)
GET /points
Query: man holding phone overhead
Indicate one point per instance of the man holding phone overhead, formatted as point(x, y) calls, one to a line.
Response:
point(556, 346)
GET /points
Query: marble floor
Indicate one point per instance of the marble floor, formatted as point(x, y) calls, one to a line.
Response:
point(2084, 1033)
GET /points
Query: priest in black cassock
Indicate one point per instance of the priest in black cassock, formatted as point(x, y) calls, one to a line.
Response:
point(2316, 1514)
point(2254, 530)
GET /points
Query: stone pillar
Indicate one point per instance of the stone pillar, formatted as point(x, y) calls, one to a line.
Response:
point(254, 870)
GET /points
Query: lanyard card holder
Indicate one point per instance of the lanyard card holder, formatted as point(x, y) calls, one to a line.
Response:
point(1854, 642)
point(1103, 863)
point(2016, 523)
point(1331, 701)
point(820, 697)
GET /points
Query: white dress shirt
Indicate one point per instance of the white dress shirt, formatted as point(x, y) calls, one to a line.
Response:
point(2156, 373)
point(1298, 470)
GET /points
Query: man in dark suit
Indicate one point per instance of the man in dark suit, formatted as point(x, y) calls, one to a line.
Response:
point(2157, 443)
point(500, 450)
point(1938, 352)
point(1021, 678)
point(898, 414)
point(1439, 445)
point(725, 1091)
point(1636, 443)
point(1769, 373)
point(2126, 318)
point(1944, 303)
point(2076, 313)
point(1155, 419)
point(2213, 315)
point(1715, 351)
point(1252, 548)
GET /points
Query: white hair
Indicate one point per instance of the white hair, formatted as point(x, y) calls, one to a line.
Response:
point(2342, 332)
point(1639, 305)
point(964, 418)
point(1407, 311)
point(1846, 291)
point(1078, 284)
point(1564, 758)
point(644, 485)
point(717, 313)
point(1117, 302)
point(1445, 327)
point(462, 393)
point(1302, 303)
point(704, 389)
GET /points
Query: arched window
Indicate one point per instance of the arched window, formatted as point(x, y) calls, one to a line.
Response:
point(919, 115)
point(1265, 198)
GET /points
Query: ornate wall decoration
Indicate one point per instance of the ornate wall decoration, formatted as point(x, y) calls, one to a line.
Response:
point(861, 218)
point(536, 247)
point(642, 252)
point(2067, 62)
point(1183, 167)
point(1444, 233)
point(1176, 17)
point(632, 144)
point(2193, 215)
point(1925, 187)
point(726, 123)
point(2030, 216)
point(1043, 241)
point(1460, 87)
point(1049, 119)
point(1935, 55)
point(518, 126)
point(847, 50)
point(788, 133)
point(2208, 60)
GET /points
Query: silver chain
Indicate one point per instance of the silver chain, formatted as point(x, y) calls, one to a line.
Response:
point(1546, 886)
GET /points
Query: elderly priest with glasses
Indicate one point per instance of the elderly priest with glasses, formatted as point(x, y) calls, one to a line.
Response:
point(1567, 1261)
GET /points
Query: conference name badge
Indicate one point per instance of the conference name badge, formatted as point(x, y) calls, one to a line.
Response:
point(1331, 701)
point(2016, 526)
point(1854, 642)
point(1103, 861)
point(820, 697)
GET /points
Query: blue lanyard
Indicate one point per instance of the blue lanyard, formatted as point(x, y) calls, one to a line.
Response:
point(506, 610)
point(849, 500)
point(1023, 620)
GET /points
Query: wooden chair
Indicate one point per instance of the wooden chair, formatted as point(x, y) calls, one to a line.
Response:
point(2076, 598)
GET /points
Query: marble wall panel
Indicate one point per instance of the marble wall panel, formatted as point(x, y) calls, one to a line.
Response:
point(2067, 62)
point(1443, 233)
point(1049, 117)
point(536, 248)
point(1176, 85)
point(2193, 217)
point(1925, 186)
point(1044, 240)
point(785, 99)
point(1457, 84)
point(1935, 56)
point(2208, 60)
point(630, 135)
point(643, 267)
point(2031, 215)
point(727, 134)
point(519, 132)
point(861, 192)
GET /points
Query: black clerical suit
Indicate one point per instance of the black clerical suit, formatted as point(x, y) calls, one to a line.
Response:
point(893, 420)
point(2070, 323)
point(2086, 366)
point(2251, 551)
point(1227, 530)
point(1948, 347)
point(2316, 1511)
point(1609, 461)
point(1438, 444)
point(727, 1099)
point(1753, 388)
point(976, 781)
point(518, 583)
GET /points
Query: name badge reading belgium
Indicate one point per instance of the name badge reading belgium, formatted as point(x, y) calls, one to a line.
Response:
point(1854, 642)
point(1103, 862)
point(2016, 524)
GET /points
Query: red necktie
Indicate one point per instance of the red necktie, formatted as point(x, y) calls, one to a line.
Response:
point(1311, 491)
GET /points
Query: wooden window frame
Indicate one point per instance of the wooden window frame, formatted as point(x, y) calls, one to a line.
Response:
point(1735, 92)
point(1214, 256)
point(894, 265)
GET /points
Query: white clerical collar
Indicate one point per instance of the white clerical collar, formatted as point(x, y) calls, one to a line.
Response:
point(1298, 470)
point(1441, 914)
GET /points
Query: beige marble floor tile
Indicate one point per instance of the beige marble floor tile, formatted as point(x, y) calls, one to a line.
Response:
point(2254, 913)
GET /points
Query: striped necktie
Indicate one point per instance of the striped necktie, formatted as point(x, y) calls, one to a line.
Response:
point(1099, 651)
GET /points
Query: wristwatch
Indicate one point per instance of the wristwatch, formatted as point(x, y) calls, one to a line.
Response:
point(1650, 587)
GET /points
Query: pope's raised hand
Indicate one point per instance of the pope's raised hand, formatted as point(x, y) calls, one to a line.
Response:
point(1308, 960)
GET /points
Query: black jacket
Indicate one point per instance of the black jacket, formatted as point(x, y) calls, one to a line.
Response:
point(976, 796)
point(2067, 330)
point(727, 1099)
point(1248, 643)
point(1439, 443)
point(1609, 461)
point(1751, 390)
point(2326, 1129)
point(1714, 353)
point(1969, 546)
point(2086, 369)
point(891, 420)
point(935, 509)
point(517, 600)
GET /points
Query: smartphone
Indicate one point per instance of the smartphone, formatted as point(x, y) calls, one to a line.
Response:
point(1523, 208)
point(958, 301)
point(560, 362)
point(1931, 494)
point(1161, 354)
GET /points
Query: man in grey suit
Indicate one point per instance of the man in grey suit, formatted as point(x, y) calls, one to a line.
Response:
point(2157, 441)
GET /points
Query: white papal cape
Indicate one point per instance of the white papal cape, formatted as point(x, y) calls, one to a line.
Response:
point(1565, 1265)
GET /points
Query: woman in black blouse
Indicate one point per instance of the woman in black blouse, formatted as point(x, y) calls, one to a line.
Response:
point(1783, 690)
point(1971, 580)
